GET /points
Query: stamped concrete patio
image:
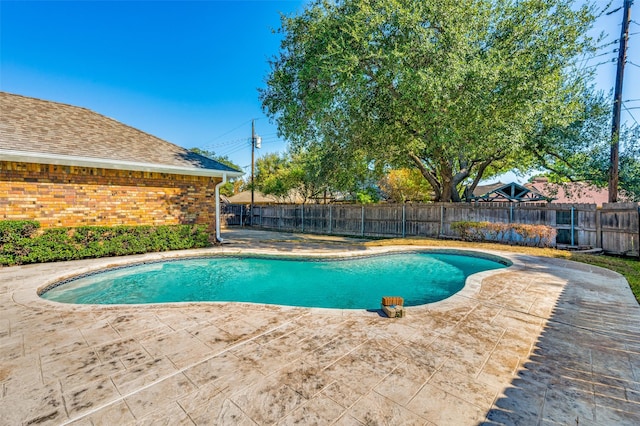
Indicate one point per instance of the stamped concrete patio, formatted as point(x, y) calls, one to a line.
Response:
point(545, 342)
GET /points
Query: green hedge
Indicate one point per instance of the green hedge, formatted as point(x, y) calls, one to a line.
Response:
point(23, 242)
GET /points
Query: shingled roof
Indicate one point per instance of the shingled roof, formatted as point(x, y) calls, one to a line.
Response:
point(35, 130)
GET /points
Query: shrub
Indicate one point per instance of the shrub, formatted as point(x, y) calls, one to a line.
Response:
point(20, 243)
point(12, 231)
point(513, 233)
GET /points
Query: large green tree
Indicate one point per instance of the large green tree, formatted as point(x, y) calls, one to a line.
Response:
point(452, 88)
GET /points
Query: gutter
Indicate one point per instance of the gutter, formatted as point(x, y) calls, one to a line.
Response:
point(68, 160)
point(217, 195)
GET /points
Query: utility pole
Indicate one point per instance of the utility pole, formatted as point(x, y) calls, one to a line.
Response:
point(617, 104)
point(256, 142)
point(253, 148)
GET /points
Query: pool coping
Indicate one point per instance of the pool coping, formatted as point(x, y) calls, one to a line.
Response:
point(31, 296)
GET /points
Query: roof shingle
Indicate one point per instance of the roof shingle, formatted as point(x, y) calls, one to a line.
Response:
point(36, 126)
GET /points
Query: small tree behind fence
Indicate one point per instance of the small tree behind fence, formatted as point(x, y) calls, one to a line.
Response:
point(614, 227)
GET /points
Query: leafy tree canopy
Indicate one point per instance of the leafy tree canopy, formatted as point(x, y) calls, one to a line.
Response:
point(233, 185)
point(223, 159)
point(274, 175)
point(403, 185)
point(454, 89)
point(313, 174)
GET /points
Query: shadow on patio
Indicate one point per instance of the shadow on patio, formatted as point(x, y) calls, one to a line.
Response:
point(585, 366)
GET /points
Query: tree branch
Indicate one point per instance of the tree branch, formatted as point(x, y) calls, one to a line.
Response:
point(476, 181)
point(429, 176)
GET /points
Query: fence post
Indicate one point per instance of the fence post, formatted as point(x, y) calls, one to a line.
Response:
point(404, 221)
point(362, 223)
point(510, 222)
point(302, 217)
point(638, 232)
point(330, 218)
point(441, 220)
point(599, 228)
point(573, 242)
point(638, 248)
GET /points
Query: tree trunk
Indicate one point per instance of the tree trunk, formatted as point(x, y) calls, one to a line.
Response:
point(449, 193)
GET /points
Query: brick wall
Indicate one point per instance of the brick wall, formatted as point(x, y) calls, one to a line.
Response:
point(62, 196)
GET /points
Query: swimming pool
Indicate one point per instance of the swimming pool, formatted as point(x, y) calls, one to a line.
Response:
point(351, 283)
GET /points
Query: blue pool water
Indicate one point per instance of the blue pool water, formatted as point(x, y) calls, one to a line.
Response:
point(354, 283)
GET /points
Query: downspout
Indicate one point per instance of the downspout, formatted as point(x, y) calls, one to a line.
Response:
point(217, 195)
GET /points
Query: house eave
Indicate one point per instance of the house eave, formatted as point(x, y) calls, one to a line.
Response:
point(102, 163)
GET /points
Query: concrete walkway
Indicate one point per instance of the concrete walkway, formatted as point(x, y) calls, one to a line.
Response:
point(540, 343)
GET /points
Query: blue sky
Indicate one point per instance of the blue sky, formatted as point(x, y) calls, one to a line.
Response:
point(187, 72)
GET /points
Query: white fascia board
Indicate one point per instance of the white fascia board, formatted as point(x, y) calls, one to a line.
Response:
point(67, 160)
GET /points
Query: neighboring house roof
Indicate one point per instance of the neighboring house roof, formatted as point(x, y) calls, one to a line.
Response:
point(506, 192)
point(39, 131)
point(260, 198)
point(574, 192)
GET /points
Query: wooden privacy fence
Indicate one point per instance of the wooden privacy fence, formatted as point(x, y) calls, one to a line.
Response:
point(613, 227)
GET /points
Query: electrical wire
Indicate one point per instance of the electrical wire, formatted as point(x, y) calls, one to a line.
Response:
point(227, 132)
point(630, 114)
point(613, 11)
point(601, 63)
point(607, 44)
point(245, 145)
point(603, 54)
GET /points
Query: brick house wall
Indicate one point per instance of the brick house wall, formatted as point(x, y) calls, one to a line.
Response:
point(66, 196)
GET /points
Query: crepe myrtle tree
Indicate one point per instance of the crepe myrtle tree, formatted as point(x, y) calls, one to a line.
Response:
point(453, 89)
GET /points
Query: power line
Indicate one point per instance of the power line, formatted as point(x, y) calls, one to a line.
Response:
point(629, 112)
point(610, 61)
point(235, 141)
point(234, 150)
point(607, 44)
point(228, 142)
point(226, 133)
point(602, 54)
point(246, 144)
point(631, 63)
point(613, 11)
